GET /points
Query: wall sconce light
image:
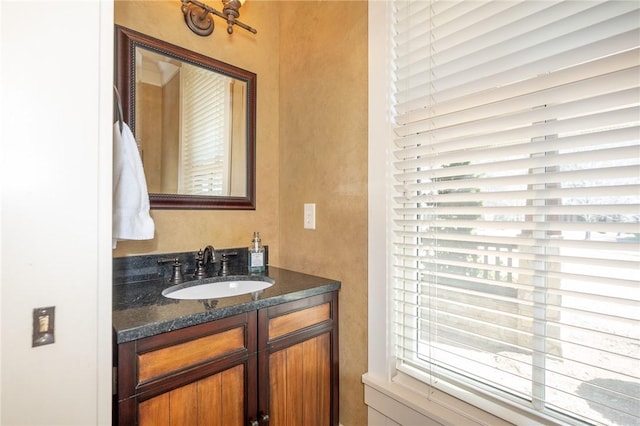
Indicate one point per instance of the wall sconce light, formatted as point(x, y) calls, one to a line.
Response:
point(198, 18)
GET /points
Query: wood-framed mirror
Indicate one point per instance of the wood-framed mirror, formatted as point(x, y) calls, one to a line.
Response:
point(194, 119)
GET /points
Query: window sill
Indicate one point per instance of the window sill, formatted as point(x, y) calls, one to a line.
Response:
point(409, 403)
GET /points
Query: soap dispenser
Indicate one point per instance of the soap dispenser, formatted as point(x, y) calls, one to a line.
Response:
point(256, 255)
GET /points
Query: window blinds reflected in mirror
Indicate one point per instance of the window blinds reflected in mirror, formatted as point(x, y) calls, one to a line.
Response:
point(207, 133)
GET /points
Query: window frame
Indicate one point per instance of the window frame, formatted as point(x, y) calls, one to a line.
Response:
point(382, 370)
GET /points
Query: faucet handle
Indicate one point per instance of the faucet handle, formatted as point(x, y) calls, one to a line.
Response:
point(224, 259)
point(176, 276)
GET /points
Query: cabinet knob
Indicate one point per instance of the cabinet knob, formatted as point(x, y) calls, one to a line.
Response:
point(253, 423)
point(264, 418)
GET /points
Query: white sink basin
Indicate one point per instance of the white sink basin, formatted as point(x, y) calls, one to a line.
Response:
point(217, 287)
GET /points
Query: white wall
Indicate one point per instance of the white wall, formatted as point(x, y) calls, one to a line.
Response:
point(55, 161)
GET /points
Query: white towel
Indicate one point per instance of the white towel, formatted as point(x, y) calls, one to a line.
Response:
point(131, 219)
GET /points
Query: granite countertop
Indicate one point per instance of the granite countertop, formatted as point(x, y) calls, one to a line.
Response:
point(140, 310)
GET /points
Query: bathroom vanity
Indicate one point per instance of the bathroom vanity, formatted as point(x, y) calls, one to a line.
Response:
point(267, 358)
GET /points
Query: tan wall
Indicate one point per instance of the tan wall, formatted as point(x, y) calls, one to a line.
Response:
point(185, 230)
point(323, 160)
point(170, 153)
point(311, 62)
point(149, 133)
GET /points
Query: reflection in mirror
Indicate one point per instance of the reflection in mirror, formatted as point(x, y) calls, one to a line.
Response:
point(194, 144)
point(194, 120)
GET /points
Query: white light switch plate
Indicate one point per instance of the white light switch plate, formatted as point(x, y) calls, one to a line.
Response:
point(310, 216)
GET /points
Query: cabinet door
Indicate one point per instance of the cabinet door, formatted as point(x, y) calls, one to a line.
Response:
point(298, 362)
point(217, 400)
point(200, 375)
point(300, 383)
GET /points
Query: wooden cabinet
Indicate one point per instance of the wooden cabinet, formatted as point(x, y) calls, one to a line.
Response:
point(275, 366)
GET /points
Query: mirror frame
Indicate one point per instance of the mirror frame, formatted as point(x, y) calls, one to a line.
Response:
point(126, 41)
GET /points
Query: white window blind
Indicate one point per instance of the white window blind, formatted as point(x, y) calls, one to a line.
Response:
point(206, 132)
point(516, 213)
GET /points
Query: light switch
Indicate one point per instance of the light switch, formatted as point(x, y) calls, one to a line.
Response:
point(43, 326)
point(310, 216)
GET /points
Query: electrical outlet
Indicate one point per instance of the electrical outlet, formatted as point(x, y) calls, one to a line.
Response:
point(310, 216)
point(43, 326)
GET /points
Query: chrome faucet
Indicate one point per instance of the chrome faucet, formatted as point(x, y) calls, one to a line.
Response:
point(204, 256)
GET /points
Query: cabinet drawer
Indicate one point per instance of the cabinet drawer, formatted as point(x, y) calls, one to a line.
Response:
point(167, 360)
